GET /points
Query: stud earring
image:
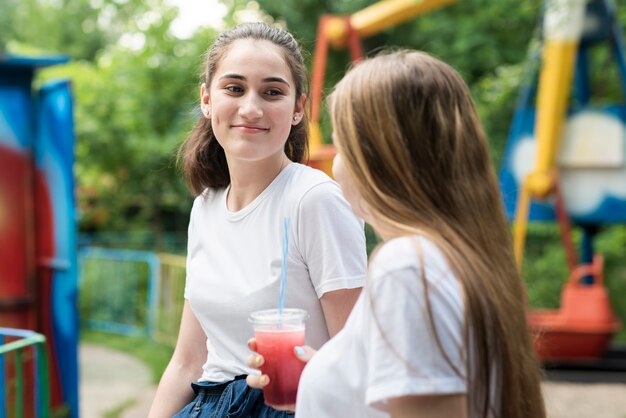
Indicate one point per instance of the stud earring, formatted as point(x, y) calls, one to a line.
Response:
point(295, 118)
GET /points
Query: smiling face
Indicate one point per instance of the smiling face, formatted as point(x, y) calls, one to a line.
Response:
point(251, 101)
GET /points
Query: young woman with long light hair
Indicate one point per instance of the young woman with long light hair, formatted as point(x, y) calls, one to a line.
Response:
point(440, 329)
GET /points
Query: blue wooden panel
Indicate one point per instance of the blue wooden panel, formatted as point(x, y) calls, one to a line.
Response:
point(611, 208)
point(54, 159)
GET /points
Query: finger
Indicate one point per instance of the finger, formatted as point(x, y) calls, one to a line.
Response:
point(255, 360)
point(252, 344)
point(257, 382)
point(304, 352)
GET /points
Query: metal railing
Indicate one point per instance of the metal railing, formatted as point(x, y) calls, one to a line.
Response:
point(117, 290)
point(132, 292)
point(170, 298)
point(23, 366)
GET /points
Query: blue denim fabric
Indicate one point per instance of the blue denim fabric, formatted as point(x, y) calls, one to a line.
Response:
point(234, 399)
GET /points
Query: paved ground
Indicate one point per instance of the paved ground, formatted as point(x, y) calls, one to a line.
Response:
point(114, 381)
point(585, 400)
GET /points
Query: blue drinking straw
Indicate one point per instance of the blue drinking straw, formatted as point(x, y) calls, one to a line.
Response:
point(283, 273)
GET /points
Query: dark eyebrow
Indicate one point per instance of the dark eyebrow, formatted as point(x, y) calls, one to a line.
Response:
point(235, 76)
point(276, 80)
point(265, 80)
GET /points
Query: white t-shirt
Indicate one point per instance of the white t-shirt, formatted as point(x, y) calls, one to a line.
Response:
point(357, 371)
point(234, 261)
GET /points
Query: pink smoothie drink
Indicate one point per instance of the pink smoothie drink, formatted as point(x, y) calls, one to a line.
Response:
point(276, 336)
point(281, 364)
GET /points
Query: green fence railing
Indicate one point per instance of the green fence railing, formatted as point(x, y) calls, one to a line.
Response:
point(116, 290)
point(132, 292)
point(25, 387)
point(169, 298)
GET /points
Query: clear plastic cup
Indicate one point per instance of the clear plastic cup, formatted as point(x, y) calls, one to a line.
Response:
point(276, 336)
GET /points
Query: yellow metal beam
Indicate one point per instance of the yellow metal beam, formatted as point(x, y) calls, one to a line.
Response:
point(380, 16)
point(562, 30)
point(563, 26)
point(521, 222)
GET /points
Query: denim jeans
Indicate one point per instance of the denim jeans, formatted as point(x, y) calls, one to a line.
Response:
point(234, 399)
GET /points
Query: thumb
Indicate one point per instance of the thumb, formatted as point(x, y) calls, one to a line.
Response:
point(304, 352)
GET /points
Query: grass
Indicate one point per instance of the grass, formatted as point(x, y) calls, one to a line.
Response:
point(153, 354)
point(118, 410)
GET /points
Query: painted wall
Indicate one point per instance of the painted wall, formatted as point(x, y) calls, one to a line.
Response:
point(38, 272)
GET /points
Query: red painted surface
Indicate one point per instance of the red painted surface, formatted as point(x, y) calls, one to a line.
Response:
point(583, 326)
point(45, 251)
point(14, 246)
point(17, 293)
point(26, 236)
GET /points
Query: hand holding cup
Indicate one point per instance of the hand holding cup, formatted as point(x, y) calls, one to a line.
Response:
point(277, 334)
point(304, 353)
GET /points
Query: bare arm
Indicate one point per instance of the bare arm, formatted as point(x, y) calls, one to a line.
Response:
point(337, 305)
point(431, 406)
point(174, 391)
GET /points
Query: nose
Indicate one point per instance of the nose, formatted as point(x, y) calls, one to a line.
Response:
point(251, 108)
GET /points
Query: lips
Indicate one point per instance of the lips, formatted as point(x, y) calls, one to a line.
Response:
point(247, 128)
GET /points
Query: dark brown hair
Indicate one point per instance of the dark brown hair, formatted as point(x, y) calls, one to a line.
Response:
point(411, 140)
point(201, 156)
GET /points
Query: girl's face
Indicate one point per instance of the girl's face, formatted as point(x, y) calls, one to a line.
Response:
point(252, 101)
point(340, 173)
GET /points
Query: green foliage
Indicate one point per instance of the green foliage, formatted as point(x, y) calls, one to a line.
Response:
point(172, 242)
point(496, 96)
point(371, 239)
point(544, 268)
point(611, 242)
point(78, 28)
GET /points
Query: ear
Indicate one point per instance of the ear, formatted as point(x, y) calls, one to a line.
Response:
point(298, 112)
point(205, 101)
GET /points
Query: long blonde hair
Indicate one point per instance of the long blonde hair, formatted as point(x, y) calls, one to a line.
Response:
point(411, 140)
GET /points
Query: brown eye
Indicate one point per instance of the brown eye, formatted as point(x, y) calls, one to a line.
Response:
point(234, 89)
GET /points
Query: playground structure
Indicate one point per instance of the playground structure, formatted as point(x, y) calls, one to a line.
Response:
point(578, 174)
point(565, 160)
point(341, 31)
point(38, 281)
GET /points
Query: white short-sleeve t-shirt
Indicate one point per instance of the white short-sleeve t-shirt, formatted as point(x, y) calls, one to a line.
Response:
point(387, 348)
point(234, 261)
